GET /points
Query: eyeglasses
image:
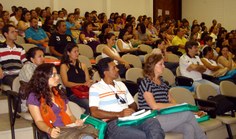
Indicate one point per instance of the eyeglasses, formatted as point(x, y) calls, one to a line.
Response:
point(120, 100)
point(54, 75)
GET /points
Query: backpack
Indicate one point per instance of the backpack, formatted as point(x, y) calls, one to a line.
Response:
point(223, 105)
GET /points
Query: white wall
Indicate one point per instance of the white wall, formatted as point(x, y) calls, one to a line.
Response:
point(207, 10)
point(30, 4)
point(134, 7)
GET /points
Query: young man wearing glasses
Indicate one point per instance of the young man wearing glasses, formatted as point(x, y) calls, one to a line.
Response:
point(110, 99)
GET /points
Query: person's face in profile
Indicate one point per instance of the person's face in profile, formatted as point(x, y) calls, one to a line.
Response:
point(159, 67)
point(38, 58)
point(54, 78)
point(112, 71)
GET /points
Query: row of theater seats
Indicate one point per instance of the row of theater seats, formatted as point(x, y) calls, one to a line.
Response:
point(213, 127)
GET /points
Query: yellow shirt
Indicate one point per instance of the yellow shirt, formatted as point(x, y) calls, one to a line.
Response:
point(179, 41)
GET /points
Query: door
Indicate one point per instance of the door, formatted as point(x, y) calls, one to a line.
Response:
point(165, 8)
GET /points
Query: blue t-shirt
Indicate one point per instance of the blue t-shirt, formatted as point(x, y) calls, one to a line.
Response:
point(68, 26)
point(38, 34)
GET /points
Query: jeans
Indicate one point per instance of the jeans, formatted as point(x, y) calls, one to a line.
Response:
point(203, 81)
point(82, 102)
point(149, 129)
point(182, 122)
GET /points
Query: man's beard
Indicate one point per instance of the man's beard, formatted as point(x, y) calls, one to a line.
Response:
point(35, 27)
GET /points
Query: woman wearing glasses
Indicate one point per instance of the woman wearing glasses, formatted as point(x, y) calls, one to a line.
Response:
point(153, 94)
point(49, 107)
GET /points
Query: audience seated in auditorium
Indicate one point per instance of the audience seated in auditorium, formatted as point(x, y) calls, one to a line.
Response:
point(74, 73)
point(49, 106)
point(35, 57)
point(106, 28)
point(214, 30)
point(42, 16)
point(33, 14)
point(48, 26)
point(213, 69)
point(12, 56)
point(24, 23)
point(111, 52)
point(71, 26)
point(36, 35)
point(124, 45)
point(142, 35)
point(225, 58)
point(6, 18)
point(208, 42)
point(110, 99)
point(117, 26)
point(87, 36)
point(192, 67)
point(59, 39)
point(154, 94)
point(162, 50)
point(17, 16)
point(179, 40)
point(55, 17)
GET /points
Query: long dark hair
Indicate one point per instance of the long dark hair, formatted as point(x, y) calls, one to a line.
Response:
point(38, 84)
point(224, 46)
point(65, 58)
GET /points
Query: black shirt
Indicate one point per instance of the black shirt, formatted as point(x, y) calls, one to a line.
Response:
point(59, 41)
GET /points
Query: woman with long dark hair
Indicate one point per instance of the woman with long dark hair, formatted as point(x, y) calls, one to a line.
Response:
point(74, 73)
point(87, 36)
point(109, 51)
point(49, 107)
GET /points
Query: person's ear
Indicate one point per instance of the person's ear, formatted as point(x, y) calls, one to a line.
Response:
point(32, 60)
point(5, 34)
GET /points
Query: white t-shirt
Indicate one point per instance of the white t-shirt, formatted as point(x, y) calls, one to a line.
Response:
point(124, 45)
point(102, 95)
point(213, 63)
point(14, 20)
point(214, 51)
point(184, 62)
point(114, 52)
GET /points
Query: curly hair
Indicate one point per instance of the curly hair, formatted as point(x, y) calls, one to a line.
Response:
point(152, 60)
point(38, 84)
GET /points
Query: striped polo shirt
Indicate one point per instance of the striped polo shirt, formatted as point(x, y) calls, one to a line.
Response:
point(102, 95)
point(11, 58)
point(160, 92)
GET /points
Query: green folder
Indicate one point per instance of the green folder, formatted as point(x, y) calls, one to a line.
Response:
point(98, 124)
point(202, 119)
point(137, 121)
point(178, 108)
